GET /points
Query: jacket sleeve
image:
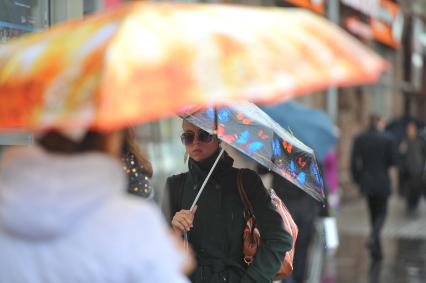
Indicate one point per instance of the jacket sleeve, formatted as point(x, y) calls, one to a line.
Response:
point(275, 240)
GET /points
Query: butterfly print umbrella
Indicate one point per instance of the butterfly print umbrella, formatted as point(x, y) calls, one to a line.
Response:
point(248, 129)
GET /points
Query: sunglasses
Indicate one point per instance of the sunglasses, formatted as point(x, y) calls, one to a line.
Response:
point(188, 138)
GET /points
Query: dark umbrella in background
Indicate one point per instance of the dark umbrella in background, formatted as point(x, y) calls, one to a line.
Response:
point(311, 126)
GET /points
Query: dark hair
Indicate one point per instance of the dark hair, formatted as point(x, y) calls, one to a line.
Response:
point(55, 141)
point(373, 120)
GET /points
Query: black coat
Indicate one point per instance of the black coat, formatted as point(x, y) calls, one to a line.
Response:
point(219, 221)
point(303, 208)
point(373, 153)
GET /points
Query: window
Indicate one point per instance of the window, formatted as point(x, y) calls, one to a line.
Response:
point(21, 16)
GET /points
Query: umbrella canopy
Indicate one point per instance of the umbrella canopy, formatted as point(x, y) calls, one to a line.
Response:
point(247, 128)
point(311, 126)
point(144, 61)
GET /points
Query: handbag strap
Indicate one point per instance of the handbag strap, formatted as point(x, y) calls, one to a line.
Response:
point(248, 208)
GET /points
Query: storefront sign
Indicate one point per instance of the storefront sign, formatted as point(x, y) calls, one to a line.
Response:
point(387, 26)
point(313, 5)
point(367, 7)
point(385, 21)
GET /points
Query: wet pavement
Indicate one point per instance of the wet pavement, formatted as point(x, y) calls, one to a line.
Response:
point(353, 220)
point(404, 262)
point(403, 240)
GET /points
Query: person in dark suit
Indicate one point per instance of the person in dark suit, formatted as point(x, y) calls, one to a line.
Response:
point(373, 153)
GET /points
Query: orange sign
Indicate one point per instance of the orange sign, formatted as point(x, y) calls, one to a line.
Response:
point(387, 26)
point(384, 24)
point(313, 5)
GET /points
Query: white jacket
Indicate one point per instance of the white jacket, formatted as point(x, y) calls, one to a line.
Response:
point(66, 218)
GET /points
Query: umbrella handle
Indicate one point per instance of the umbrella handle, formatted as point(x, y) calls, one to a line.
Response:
point(185, 234)
point(185, 240)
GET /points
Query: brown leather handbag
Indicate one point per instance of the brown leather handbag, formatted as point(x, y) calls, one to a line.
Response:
point(251, 234)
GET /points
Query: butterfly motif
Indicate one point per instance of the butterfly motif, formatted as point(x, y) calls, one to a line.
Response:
point(227, 138)
point(276, 147)
point(292, 167)
point(315, 170)
point(223, 114)
point(247, 121)
point(301, 162)
point(243, 119)
point(288, 146)
point(262, 135)
point(301, 177)
point(244, 137)
point(253, 147)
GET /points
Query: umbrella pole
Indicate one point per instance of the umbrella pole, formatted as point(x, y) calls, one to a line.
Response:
point(201, 190)
point(207, 178)
point(214, 164)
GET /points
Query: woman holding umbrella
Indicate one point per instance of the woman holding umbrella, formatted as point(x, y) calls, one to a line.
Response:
point(215, 226)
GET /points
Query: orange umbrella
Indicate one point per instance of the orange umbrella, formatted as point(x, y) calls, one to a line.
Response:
point(144, 61)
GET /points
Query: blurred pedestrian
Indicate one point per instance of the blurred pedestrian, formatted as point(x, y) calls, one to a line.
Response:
point(398, 128)
point(373, 153)
point(137, 166)
point(412, 167)
point(331, 178)
point(215, 226)
point(65, 216)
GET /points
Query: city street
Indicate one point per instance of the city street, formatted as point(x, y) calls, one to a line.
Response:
point(171, 102)
point(404, 245)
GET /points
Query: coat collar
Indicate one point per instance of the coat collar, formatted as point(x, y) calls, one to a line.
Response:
point(199, 170)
